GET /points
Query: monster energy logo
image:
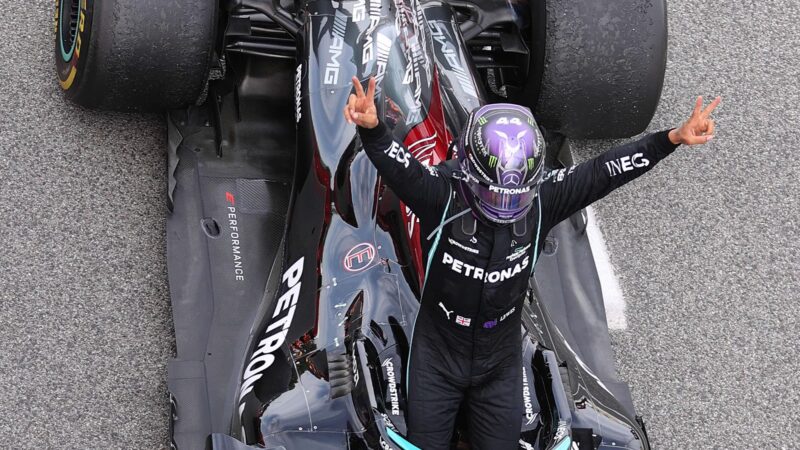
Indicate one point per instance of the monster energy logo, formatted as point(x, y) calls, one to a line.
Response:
point(482, 121)
point(530, 163)
point(492, 161)
point(530, 121)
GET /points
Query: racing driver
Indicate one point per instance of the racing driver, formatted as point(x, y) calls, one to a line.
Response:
point(485, 215)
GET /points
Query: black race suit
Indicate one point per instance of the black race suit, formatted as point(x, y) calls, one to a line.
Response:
point(466, 342)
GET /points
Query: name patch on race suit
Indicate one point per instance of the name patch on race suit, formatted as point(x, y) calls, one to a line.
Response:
point(493, 323)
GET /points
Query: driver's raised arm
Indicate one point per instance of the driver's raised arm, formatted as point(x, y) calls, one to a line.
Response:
point(420, 188)
point(572, 189)
point(577, 187)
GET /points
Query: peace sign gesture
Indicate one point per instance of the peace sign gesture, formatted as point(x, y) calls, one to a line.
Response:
point(360, 108)
point(699, 129)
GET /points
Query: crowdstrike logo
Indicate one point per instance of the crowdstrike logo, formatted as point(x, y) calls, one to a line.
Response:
point(274, 336)
point(394, 397)
point(530, 416)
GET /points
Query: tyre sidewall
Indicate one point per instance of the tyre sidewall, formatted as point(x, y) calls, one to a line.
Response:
point(142, 55)
point(70, 72)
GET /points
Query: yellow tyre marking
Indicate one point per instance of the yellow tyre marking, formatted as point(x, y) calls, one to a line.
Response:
point(66, 84)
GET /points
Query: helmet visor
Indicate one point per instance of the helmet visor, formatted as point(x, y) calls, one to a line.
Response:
point(503, 204)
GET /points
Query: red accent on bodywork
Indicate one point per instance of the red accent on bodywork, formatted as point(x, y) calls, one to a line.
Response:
point(323, 178)
point(428, 142)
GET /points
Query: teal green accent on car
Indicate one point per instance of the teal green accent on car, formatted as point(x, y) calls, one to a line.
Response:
point(400, 440)
point(564, 444)
point(66, 56)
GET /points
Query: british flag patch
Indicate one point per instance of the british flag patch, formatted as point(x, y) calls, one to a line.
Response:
point(464, 321)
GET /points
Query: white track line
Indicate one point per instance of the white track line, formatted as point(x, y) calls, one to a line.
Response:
point(612, 293)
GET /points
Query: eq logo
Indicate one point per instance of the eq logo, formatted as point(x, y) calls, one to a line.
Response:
point(359, 257)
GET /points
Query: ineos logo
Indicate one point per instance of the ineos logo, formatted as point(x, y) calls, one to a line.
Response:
point(398, 153)
point(626, 164)
point(359, 257)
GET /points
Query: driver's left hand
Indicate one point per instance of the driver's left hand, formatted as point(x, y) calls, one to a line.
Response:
point(699, 128)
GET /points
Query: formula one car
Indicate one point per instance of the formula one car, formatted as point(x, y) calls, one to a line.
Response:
point(295, 274)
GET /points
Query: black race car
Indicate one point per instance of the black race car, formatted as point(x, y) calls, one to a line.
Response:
point(294, 272)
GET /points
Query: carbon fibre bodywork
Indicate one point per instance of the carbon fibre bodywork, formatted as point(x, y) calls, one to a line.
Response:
point(295, 274)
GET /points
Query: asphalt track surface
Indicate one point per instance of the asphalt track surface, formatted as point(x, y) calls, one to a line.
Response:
point(706, 248)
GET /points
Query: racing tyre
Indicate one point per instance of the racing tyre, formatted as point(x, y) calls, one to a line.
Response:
point(602, 66)
point(144, 55)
